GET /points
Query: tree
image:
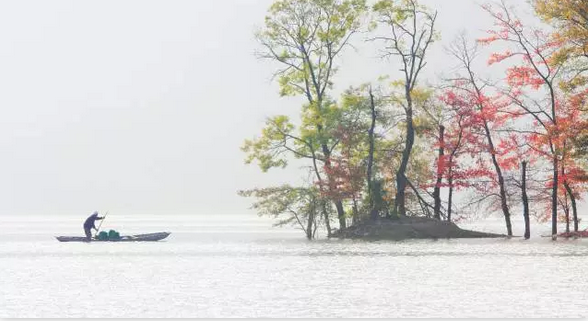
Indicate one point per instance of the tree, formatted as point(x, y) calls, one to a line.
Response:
point(453, 143)
point(487, 114)
point(411, 30)
point(570, 19)
point(373, 198)
point(537, 70)
point(298, 205)
point(452, 140)
point(365, 116)
point(573, 176)
point(306, 38)
point(277, 144)
point(466, 165)
point(525, 200)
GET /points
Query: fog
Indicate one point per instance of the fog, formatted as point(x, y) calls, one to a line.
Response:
point(140, 107)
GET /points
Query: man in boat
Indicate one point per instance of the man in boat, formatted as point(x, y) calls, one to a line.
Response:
point(89, 224)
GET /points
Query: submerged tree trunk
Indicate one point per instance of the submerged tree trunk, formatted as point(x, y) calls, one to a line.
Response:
point(525, 203)
point(437, 191)
point(370, 163)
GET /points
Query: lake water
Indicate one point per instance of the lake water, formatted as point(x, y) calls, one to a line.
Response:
point(239, 266)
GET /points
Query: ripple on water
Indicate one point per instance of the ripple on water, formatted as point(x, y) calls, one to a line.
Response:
point(251, 273)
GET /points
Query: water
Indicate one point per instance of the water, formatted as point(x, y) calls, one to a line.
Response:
point(239, 266)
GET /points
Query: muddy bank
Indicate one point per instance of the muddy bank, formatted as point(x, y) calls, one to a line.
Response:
point(408, 228)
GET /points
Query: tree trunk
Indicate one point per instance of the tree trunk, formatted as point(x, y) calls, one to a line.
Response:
point(566, 208)
point(309, 230)
point(554, 198)
point(341, 215)
point(567, 212)
point(566, 204)
point(504, 205)
point(355, 217)
point(525, 203)
point(574, 208)
point(338, 203)
point(370, 164)
point(326, 218)
point(437, 191)
point(450, 200)
point(400, 206)
point(498, 169)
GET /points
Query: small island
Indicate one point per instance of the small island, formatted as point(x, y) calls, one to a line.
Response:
point(405, 228)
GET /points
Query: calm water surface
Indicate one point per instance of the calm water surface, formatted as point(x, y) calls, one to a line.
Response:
point(239, 266)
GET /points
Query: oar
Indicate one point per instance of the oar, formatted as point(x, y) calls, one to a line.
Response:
point(101, 221)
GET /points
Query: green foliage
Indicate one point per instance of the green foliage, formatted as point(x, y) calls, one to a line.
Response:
point(305, 37)
point(276, 143)
point(404, 13)
point(290, 205)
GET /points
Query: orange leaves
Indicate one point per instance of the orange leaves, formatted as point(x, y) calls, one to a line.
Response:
point(521, 76)
point(488, 40)
point(496, 57)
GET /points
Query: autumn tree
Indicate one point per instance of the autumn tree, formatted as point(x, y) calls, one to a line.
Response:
point(409, 30)
point(486, 115)
point(455, 125)
point(570, 19)
point(537, 71)
point(366, 116)
point(306, 38)
point(573, 176)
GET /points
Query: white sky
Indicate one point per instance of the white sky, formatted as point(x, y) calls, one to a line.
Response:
point(140, 107)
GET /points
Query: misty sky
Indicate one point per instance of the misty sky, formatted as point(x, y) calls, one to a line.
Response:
point(141, 106)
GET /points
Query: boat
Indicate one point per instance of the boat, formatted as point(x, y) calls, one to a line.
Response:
point(152, 237)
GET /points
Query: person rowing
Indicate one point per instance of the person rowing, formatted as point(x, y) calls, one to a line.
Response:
point(89, 224)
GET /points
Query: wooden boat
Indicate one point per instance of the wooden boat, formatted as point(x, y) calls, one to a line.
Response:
point(153, 237)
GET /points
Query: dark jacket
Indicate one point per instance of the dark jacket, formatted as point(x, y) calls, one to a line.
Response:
point(89, 223)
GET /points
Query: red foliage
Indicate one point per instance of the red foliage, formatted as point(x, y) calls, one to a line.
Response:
point(344, 178)
point(554, 124)
point(477, 113)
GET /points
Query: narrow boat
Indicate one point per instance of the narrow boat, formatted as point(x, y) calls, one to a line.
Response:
point(153, 237)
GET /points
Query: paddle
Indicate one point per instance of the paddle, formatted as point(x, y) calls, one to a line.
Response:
point(101, 221)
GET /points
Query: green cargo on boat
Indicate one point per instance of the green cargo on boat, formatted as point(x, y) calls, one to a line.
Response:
point(103, 236)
